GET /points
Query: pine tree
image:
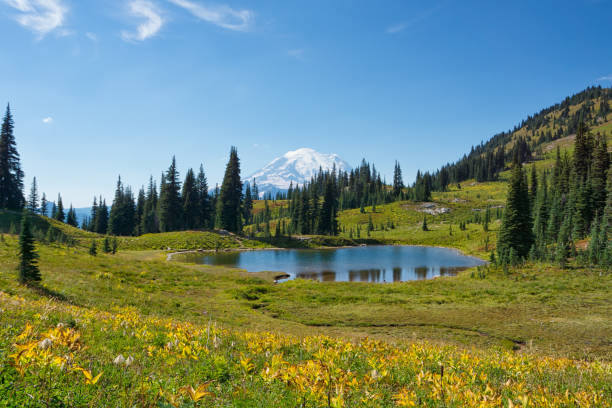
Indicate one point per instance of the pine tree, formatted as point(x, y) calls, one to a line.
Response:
point(71, 218)
point(32, 204)
point(43, 205)
point(94, 215)
point(599, 174)
point(149, 222)
point(11, 175)
point(191, 202)
point(398, 182)
point(248, 204)
point(122, 218)
point(533, 186)
point(328, 215)
point(59, 213)
point(28, 265)
point(101, 225)
point(230, 198)
point(582, 153)
point(517, 229)
point(424, 227)
point(140, 206)
point(170, 203)
point(93, 248)
point(106, 245)
point(541, 213)
point(205, 206)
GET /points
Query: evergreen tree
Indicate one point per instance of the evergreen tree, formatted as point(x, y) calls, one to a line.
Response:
point(59, 213)
point(599, 174)
point(94, 215)
point(101, 225)
point(248, 204)
point(170, 203)
point(424, 227)
point(106, 245)
point(328, 221)
point(149, 223)
point(517, 228)
point(43, 205)
point(230, 198)
point(191, 202)
point(205, 206)
point(533, 186)
point(140, 206)
point(582, 151)
point(93, 248)
point(28, 266)
point(11, 176)
point(71, 218)
point(32, 204)
point(398, 182)
point(541, 213)
point(122, 218)
point(303, 214)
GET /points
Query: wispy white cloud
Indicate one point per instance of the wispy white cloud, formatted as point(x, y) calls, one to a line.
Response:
point(40, 16)
point(221, 15)
point(152, 24)
point(396, 28)
point(605, 78)
point(93, 37)
point(47, 120)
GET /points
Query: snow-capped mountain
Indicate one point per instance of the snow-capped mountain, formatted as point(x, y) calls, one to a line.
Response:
point(297, 167)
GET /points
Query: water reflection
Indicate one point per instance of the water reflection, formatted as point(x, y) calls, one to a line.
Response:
point(362, 264)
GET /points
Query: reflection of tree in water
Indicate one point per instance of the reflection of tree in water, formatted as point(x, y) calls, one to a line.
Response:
point(365, 275)
point(451, 271)
point(421, 272)
point(323, 276)
point(397, 274)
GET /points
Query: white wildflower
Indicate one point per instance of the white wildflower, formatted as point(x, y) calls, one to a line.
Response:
point(45, 344)
point(119, 360)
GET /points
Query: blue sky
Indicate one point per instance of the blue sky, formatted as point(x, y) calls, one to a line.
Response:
point(106, 87)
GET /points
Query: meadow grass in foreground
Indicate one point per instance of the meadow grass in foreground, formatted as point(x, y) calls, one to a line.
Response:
point(55, 354)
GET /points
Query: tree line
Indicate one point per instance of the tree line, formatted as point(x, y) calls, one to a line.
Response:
point(551, 214)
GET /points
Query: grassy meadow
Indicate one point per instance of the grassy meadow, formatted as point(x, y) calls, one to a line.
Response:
point(194, 335)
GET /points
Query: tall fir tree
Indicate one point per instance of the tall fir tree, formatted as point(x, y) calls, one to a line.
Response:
point(328, 219)
point(32, 204)
point(43, 205)
point(248, 204)
point(149, 222)
point(170, 203)
point(101, 225)
point(205, 206)
point(599, 174)
point(191, 202)
point(230, 198)
point(140, 208)
point(122, 218)
point(11, 175)
point(398, 181)
point(516, 232)
point(59, 213)
point(28, 265)
point(94, 214)
point(71, 217)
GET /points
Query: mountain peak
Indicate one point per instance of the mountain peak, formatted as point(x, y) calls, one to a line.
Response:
point(297, 167)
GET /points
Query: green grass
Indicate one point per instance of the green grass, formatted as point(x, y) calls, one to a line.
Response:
point(187, 240)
